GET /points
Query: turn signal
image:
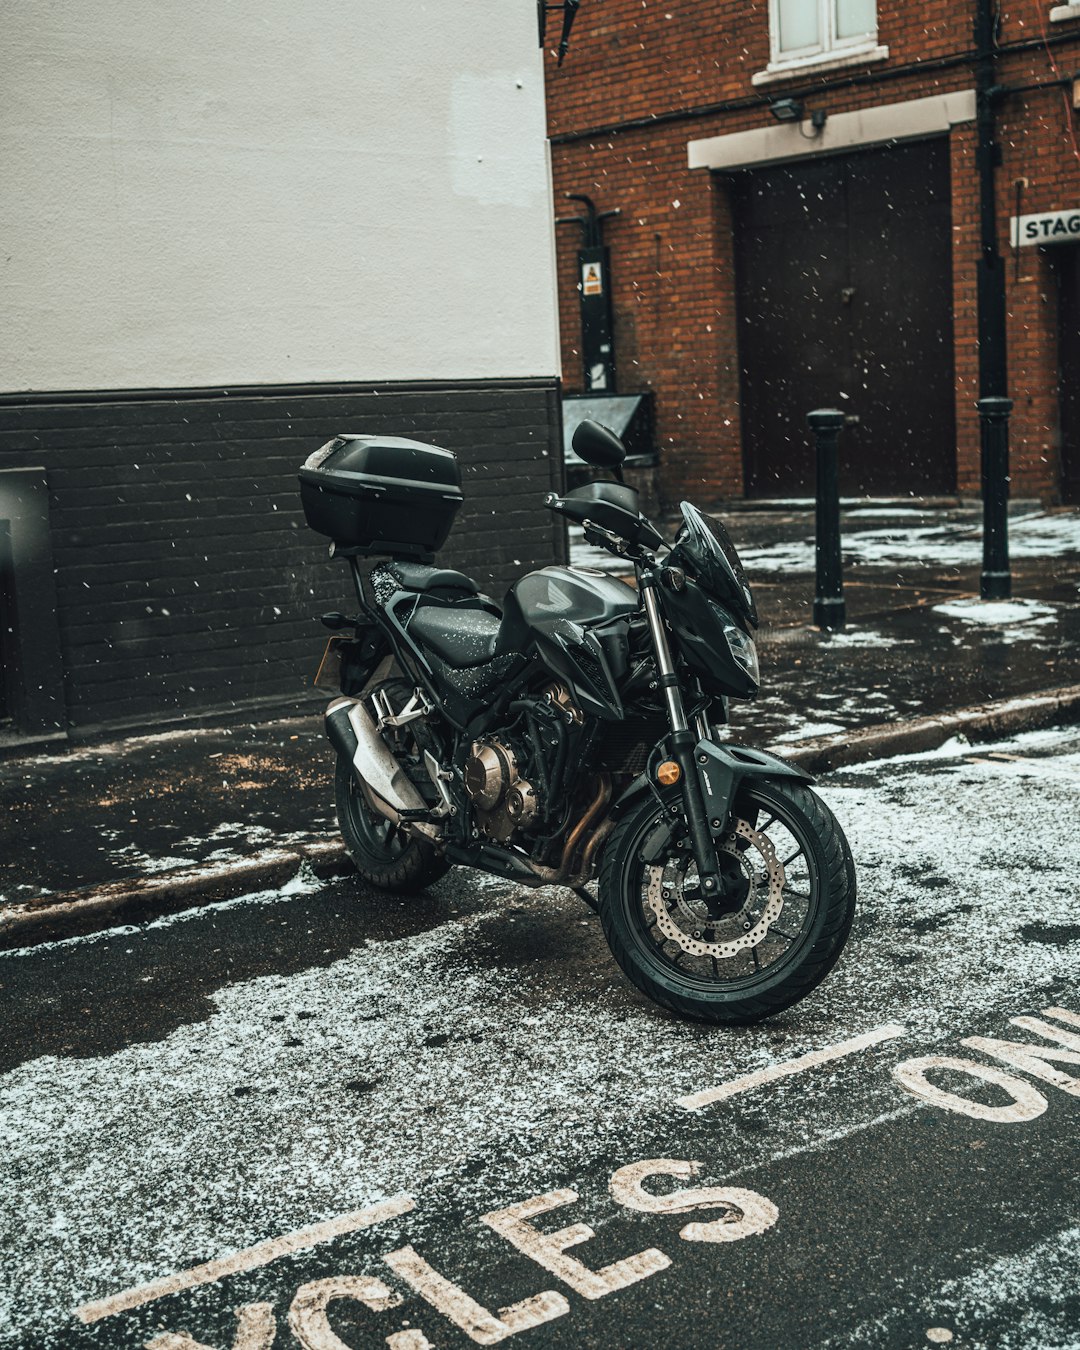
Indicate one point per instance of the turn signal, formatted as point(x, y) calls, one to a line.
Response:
point(668, 772)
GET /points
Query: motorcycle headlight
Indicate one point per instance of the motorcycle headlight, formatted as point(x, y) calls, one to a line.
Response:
point(743, 650)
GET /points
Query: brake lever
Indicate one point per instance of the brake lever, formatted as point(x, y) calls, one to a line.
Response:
point(635, 553)
point(596, 534)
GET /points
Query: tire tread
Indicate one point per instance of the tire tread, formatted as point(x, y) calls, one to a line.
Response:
point(413, 869)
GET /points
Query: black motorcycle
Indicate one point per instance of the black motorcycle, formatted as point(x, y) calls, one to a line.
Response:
point(571, 735)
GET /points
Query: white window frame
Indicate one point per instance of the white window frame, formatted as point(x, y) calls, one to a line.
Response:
point(832, 51)
point(1062, 12)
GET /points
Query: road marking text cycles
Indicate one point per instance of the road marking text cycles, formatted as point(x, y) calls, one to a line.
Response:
point(745, 1214)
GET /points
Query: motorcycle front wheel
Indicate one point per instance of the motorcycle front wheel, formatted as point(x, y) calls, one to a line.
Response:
point(788, 901)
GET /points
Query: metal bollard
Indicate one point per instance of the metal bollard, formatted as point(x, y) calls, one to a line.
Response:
point(829, 607)
point(996, 580)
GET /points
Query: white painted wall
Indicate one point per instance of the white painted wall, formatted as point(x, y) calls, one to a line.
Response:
point(205, 192)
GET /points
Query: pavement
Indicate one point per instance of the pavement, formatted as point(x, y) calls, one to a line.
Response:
point(144, 826)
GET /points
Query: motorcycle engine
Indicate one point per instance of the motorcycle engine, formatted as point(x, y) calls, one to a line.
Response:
point(505, 802)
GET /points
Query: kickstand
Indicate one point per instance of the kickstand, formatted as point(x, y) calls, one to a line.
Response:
point(583, 894)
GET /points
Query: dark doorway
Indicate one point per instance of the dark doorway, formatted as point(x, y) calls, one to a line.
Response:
point(844, 291)
point(7, 626)
point(1068, 269)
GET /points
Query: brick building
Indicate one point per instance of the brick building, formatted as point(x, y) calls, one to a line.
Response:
point(760, 267)
point(230, 232)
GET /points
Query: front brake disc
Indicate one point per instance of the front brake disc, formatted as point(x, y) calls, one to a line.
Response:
point(771, 888)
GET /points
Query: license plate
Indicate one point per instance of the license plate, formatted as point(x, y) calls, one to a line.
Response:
point(328, 676)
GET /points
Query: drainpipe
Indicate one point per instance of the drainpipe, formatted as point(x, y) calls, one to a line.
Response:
point(994, 404)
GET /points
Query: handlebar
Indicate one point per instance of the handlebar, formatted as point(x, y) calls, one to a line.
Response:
point(641, 531)
point(566, 506)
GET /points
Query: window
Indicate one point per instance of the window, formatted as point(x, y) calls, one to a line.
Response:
point(820, 32)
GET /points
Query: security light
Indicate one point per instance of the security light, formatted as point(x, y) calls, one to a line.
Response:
point(569, 12)
point(786, 109)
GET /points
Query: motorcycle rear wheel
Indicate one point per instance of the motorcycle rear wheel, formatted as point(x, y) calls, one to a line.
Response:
point(382, 853)
point(790, 904)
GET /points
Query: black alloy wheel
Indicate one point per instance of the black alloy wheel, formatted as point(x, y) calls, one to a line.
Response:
point(778, 928)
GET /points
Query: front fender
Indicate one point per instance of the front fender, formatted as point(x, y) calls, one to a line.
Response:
point(722, 768)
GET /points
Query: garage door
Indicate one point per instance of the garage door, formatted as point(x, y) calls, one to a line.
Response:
point(844, 290)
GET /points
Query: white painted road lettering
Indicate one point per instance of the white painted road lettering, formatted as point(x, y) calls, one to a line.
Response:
point(745, 1213)
point(1026, 1103)
point(307, 1316)
point(255, 1330)
point(752, 1212)
point(475, 1321)
point(549, 1249)
point(1032, 1059)
point(696, 1100)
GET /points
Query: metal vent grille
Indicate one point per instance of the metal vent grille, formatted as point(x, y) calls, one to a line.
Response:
point(626, 745)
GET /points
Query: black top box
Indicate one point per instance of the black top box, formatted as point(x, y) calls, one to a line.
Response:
point(382, 494)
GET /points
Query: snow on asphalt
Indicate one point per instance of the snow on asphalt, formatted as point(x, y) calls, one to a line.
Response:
point(955, 544)
point(980, 1299)
point(1016, 620)
point(951, 545)
point(126, 1167)
point(865, 637)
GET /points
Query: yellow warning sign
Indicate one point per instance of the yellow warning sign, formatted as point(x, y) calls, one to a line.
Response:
point(592, 282)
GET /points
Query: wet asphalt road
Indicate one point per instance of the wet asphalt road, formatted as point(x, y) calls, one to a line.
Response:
point(182, 1092)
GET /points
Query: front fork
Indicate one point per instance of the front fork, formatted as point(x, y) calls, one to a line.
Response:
point(682, 742)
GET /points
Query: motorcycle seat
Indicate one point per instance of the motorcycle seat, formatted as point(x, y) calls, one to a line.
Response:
point(417, 577)
point(460, 637)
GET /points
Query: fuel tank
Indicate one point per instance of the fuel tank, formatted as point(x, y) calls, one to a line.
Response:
point(583, 597)
point(578, 623)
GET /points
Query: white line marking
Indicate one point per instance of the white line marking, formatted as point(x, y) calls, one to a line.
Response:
point(259, 1255)
point(723, 1091)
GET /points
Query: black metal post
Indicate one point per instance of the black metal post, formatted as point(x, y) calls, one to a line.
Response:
point(829, 606)
point(993, 405)
point(996, 581)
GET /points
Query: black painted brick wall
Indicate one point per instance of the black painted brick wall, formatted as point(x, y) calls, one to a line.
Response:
point(187, 577)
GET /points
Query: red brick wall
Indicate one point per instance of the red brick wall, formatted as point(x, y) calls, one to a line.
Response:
point(672, 273)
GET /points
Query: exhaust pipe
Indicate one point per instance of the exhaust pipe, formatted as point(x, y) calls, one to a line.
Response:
point(385, 784)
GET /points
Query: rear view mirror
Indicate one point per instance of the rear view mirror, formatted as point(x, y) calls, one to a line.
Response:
point(598, 446)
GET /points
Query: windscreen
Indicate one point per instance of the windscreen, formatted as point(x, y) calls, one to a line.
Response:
point(711, 557)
